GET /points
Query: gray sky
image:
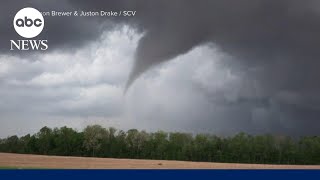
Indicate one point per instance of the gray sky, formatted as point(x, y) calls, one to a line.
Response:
point(197, 66)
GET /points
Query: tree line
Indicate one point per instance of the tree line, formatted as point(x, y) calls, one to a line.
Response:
point(97, 141)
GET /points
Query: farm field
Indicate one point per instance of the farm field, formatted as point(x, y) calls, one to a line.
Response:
point(23, 161)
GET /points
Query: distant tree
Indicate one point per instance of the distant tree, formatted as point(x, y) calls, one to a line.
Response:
point(24, 141)
point(12, 144)
point(45, 140)
point(67, 141)
point(93, 136)
point(178, 143)
point(158, 145)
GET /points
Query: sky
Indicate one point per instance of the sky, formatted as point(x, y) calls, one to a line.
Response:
point(206, 66)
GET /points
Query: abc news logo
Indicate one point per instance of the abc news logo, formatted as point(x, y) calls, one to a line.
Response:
point(28, 23)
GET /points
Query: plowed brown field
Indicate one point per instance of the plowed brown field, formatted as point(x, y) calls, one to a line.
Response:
point(59, 162)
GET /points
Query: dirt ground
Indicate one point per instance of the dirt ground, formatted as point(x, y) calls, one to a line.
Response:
point(60, 162)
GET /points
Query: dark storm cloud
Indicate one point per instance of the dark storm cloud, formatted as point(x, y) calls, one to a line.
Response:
point(258, 33)
point(275, 41)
